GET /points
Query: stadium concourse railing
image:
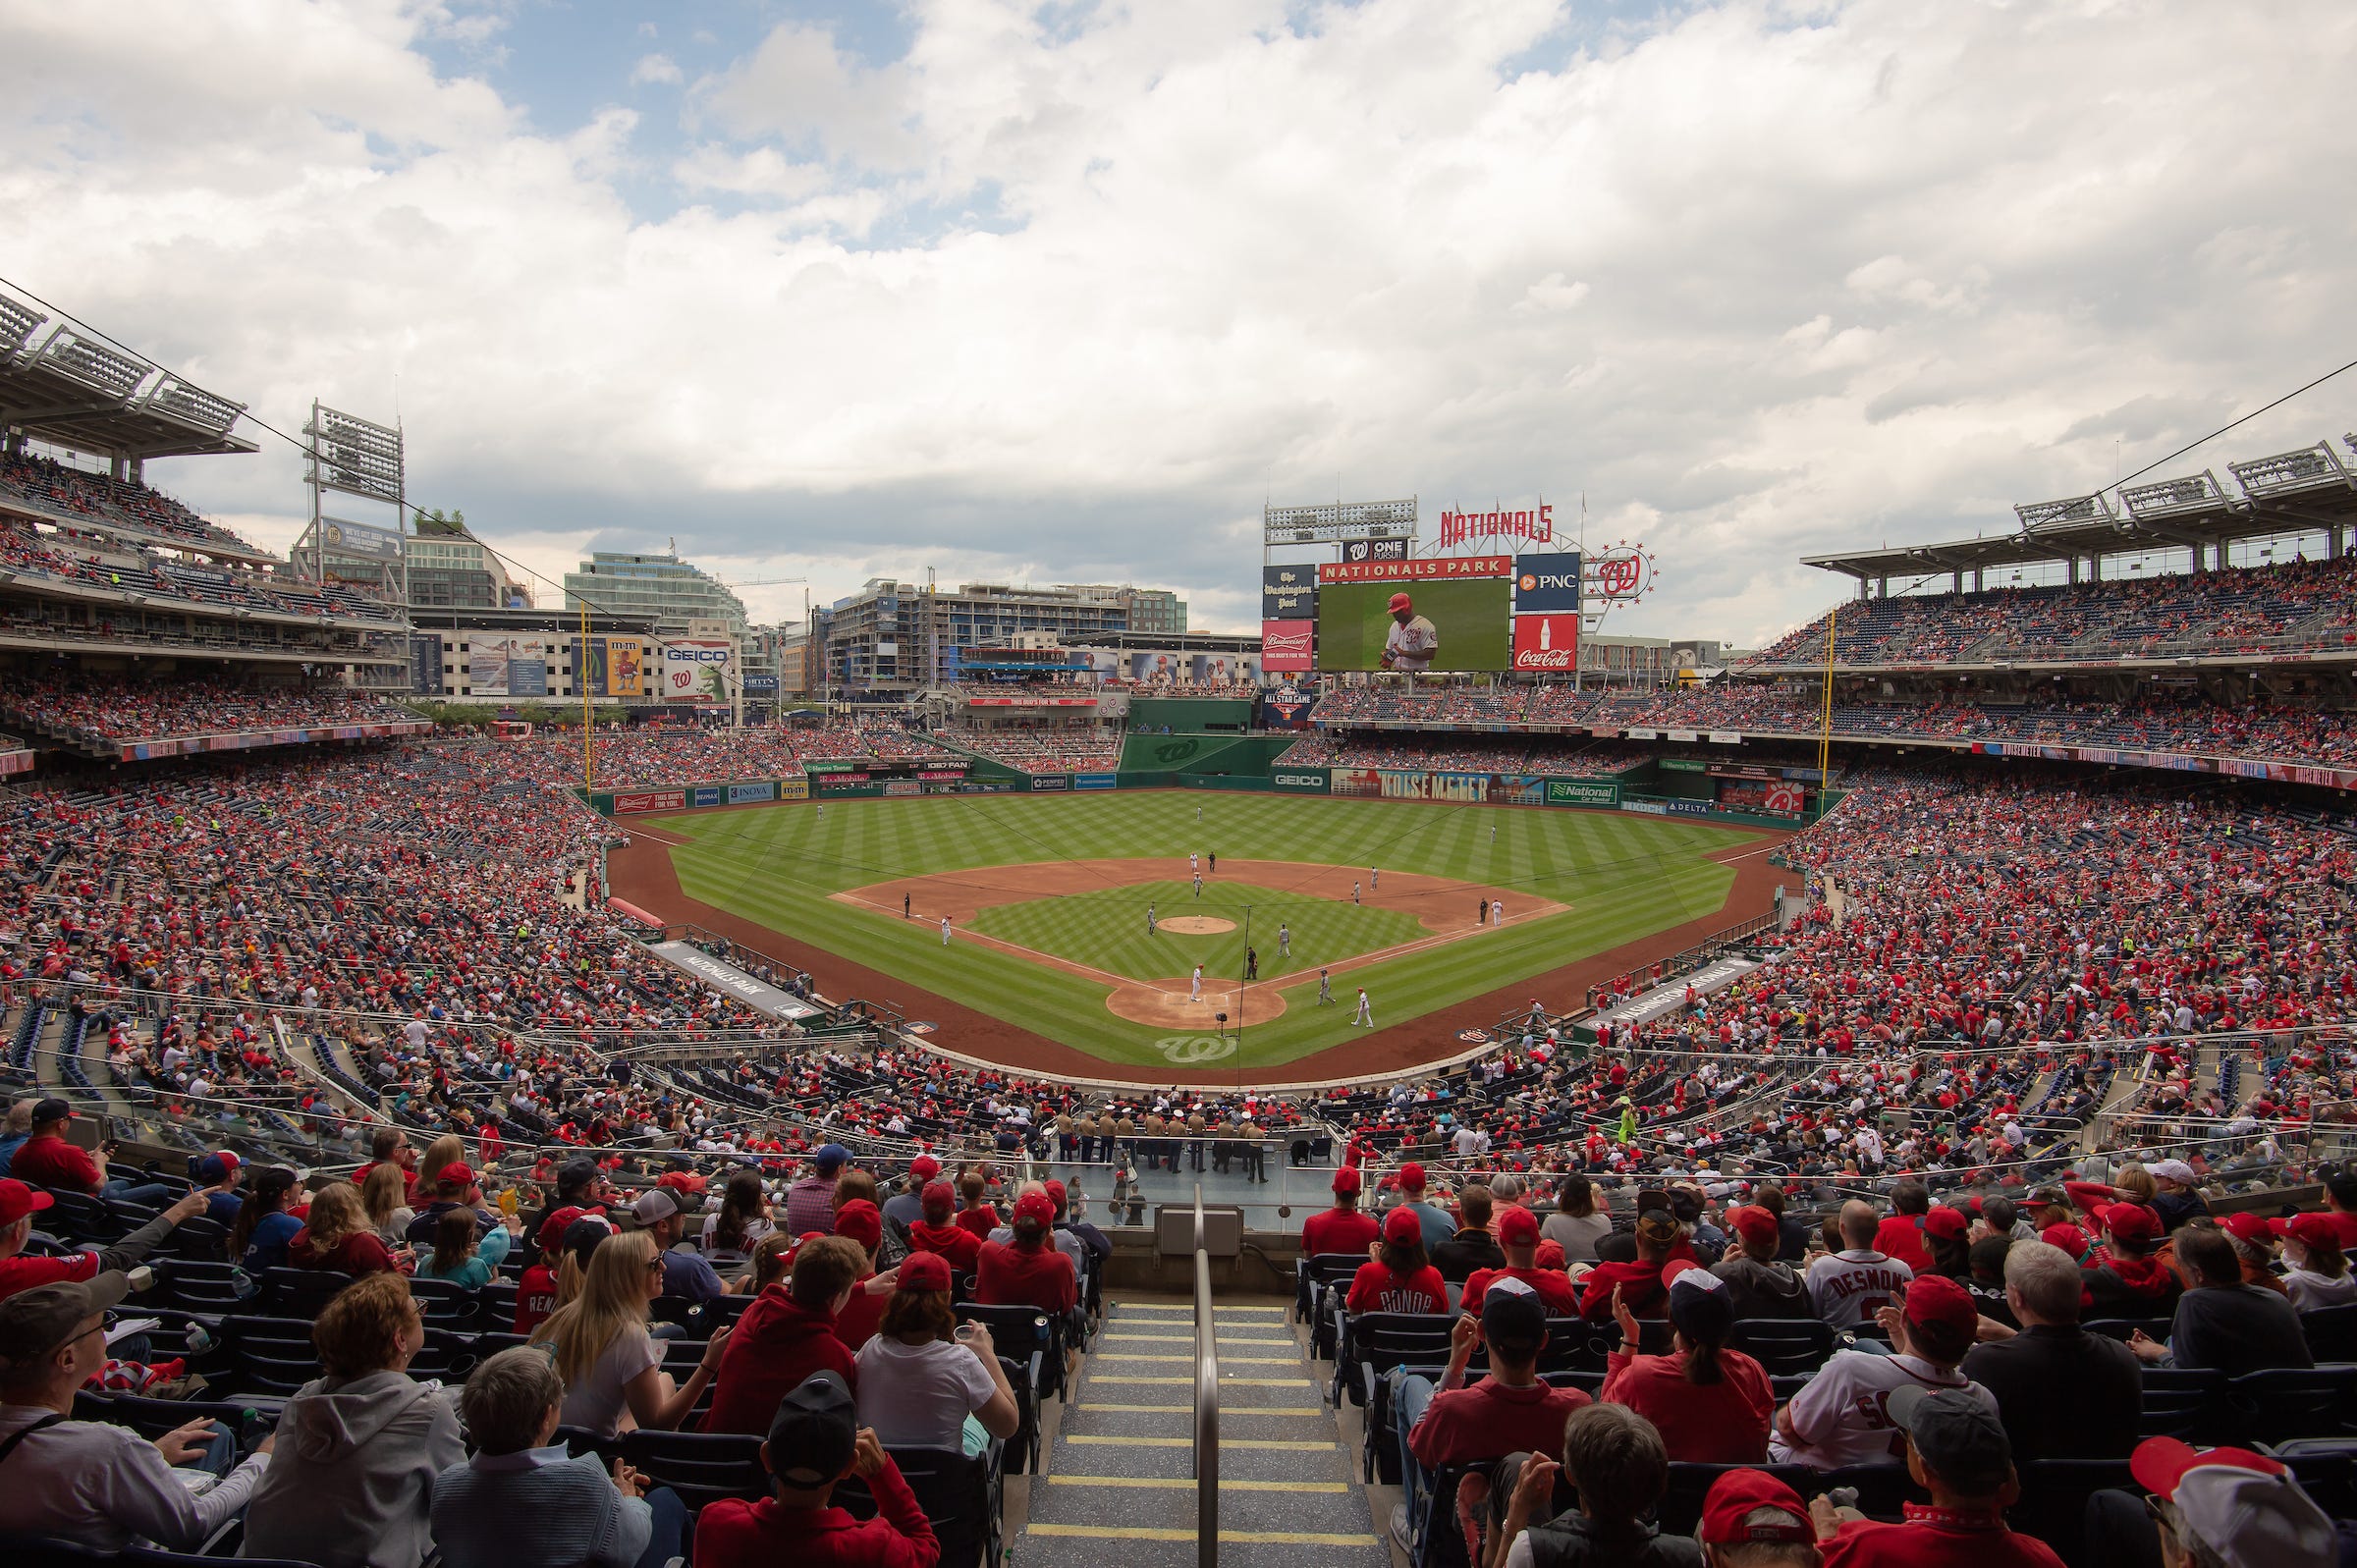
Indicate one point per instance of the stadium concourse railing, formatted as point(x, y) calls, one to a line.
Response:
point(1207, 1405)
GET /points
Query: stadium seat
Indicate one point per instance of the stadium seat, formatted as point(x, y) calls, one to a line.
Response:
point(2184, 1402)
point(300, 1292)
point(1784, 1347)
point(700, 1466)
point(2331, 1332)
point(1025, 1338)
point(2287, 1403)
point(2053, 1500)
point(195, 1286)
point(960, 1495)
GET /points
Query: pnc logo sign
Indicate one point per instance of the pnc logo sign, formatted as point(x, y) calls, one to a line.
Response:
point(1547, 584)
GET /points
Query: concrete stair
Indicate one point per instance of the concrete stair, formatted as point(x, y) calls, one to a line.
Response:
point(1117, 1487)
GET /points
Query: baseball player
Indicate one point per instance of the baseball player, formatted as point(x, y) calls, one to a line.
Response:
point(1149, 920)
point(1355, 892)
point(1483, 917)
point(1374, 878)
point(1285, 941)
point(1411, 645)
point(1251, 963)
point(1324, 988)
point(1198, 813)
point(1193, 861)
point(1497, 912)
point(1194, 987)
point(1214, 859)
point(1492, 833)
point(1198, 885)
point(1366, 1010)
point(903, 906)
point(945, 931)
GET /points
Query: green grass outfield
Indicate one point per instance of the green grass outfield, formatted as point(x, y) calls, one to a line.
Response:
point(1624, 875)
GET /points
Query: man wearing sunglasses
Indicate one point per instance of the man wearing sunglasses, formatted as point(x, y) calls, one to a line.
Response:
point(101, 1486)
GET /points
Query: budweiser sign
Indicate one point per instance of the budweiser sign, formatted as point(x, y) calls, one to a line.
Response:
point(1536, 526)
point(1284, 645)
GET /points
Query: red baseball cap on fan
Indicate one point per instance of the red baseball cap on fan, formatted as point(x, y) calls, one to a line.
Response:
point(1402, 1226)
point(2247, 1226)
point(924, 1168)
point(2132, 1222)
point(17, 1200)
point(1347, 1182)
point(1935, 1299)
point(1947, 1222)
point(1516, 1227)
point(1753, 1223)
point(859, 1220)
point(1735, 1495)
point(922, 1270)
point(2309, 1231)
point(1411, 1177)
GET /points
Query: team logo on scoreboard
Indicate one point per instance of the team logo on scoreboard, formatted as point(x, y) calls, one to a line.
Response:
point(1546, 642)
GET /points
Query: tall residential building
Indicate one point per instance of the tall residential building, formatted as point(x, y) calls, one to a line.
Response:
point(896, 638)
point(662, 589)
point(451, 570)
point(1156, 609)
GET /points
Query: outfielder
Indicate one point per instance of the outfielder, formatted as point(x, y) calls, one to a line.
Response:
point(1285, 941)
point(1366, 1010)
point(1411, 645)
point(1374, 878)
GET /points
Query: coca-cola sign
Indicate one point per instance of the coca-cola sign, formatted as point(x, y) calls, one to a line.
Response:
point(1546, 642)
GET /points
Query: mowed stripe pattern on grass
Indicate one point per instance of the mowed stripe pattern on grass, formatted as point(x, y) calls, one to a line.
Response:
point(1624, 877)
point(1108, 930)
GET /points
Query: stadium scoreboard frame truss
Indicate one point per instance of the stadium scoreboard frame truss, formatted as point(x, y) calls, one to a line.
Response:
point(1333, 522)
point(69, 386)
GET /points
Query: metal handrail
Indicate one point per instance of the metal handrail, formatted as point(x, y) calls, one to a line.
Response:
point(1207, 1406)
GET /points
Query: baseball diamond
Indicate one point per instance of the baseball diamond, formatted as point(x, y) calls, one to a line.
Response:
point(1051, 965)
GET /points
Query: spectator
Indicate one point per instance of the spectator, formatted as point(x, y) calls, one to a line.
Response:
point(1637, 1284)
point(267, 1219)
point(16, 1129)
point(1752, 1520)
point(925, 1379)
point(335, 1235)
point(1344, 1227)
point(351, 1485)
point(686, 1274)
point(2341, 1203)
point(385, 1200)
point(611, 1365)
point(1986, 1284)
point(1472, 1249)
point(577, 1183)
point(1853, 1285)
point(940, 1232)
point(457, 1256)
point(787, 1334)
point(1508, 1411)
point(1711, 1405)
point(18, 1272)
point(2221, 1322)
point(1027, 1271)
point(1518, 1240)
point(1955, 1450)
point(1759, 1286)
point(1619, 1469)
point(973, 1213)
point(2062, 1392)
point(93, 1483)
point(2319, 1275)
point(742, 1217)
point(1945, 1238)
point(539, 1293)
point(815, 1441)
point(1576, 1226)
point(2176, 1195)
point(860, 1224)
point(1398, 1277)
point(221, 1172)
point(1438, 1226)
point(2129, 1281)
point(1901, 1234)
point(1839, 1416)
point(2212, 1508)
point(46, 1160)
point(904, 1209)
point(579, 1516)
point(2254, 1242)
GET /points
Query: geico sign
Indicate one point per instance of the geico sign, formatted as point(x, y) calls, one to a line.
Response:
point(701, 656)
point(1298, 779)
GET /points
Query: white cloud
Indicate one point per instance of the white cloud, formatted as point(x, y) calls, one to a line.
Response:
point(659, 68)
point(1070, 301)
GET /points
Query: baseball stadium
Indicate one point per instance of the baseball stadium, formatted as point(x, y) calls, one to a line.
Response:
point(548, 1074)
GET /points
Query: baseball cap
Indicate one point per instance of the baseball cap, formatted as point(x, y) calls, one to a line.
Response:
point(1753, 1223)
point(860, 1221)
point(924, 1168)
point(575, 1175)
point(1699, 1305)
point(1400, 601)
point(2132, 1222)
point(1738, 1494)
point(458, 1174)
point(1516, 1227)
point(1057, 1194)
point(50, 1109)
point(923, 1271)
point(814, 1432)
point(215, 1168)
point(1945, 1222)
point(938, 1193)
point(551, 1234)
point(1935, 1299)
point(34, 1323)
point(2247, 1226)
point(2243, 1506)
point(1402, 1226)
point(1656, 1225)
point(654, 1206)
point(830, 1155)
point(17, 1200)
point(1411, 1177)
point(585, 1235)
point(2070, 1238)
point(1957, 1436)
point(2309, 1231)
point(1036, 1205)
point(1347, 1182)
point(2175, 1171)
point(1512, 1318)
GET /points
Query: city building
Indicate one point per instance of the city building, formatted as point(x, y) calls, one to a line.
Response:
point(452, 569)
point(1155, 610)
point(899, 638)
point(662, 591)
point(505, 656)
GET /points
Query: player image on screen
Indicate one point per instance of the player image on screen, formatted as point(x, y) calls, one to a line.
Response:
point(1412, 643)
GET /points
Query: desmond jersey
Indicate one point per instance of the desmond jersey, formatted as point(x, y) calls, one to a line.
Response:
point(1850, 1288)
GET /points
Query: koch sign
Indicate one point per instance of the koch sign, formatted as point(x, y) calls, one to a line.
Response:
point(1547, 584)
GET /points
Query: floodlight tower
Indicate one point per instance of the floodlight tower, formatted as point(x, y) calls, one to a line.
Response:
point(355, 457)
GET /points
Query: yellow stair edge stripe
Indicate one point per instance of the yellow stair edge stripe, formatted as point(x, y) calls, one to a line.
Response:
point(1173, 1483)
point(1225, 1410)
point(1272, 1444)
point(1224, 1361)
point(1242, 1537)
point(1241, 1382)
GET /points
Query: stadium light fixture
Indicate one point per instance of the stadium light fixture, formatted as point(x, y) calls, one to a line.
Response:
point(2315, 467)
point(190, 403)
point(18, 323)
point(92, 364)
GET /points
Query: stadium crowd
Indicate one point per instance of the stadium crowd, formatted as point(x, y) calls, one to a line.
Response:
point(98, 708)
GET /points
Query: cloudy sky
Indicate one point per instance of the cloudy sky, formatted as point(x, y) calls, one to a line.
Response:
point(1066, 292)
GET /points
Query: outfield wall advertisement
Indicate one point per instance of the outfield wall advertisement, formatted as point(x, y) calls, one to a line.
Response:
point(1299, 780)
point(1582, 792)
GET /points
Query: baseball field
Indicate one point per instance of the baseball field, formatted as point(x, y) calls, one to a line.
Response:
point(1076, 919)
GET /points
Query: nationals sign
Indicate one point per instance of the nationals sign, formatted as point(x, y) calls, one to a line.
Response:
point(1531, 525)
point(1546, 642)
point(1623, 572)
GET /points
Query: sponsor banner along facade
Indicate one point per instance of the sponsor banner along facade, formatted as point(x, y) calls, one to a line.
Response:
point(1288, 646)
point(249, 739)
point(1299, 780)
point(1582, 792)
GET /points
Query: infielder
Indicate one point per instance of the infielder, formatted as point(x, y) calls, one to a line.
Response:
point(1193, 862)
point(1198, 885)
point(1366, 1010)
point(1324, 988)
point(1194, 987)
point(1411, 645)
point(945, 931)
point(1374, 878)
point(1285, 941)
point(1355, 892)
point(1498, 912)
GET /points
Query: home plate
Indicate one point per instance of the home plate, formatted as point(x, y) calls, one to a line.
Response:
point(1197, 925)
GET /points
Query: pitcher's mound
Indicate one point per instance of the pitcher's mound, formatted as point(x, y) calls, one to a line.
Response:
point(1197, 925)
point(1167, 1003)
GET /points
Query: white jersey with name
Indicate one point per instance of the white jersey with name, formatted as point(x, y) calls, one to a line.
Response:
point(1848, 1288)
point(1842, 1416)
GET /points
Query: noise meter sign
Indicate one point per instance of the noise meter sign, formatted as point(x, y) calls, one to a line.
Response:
point(1546, 642)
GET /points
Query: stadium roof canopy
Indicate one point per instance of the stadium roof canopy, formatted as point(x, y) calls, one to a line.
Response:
point(2311, 490)
point(65, 385)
